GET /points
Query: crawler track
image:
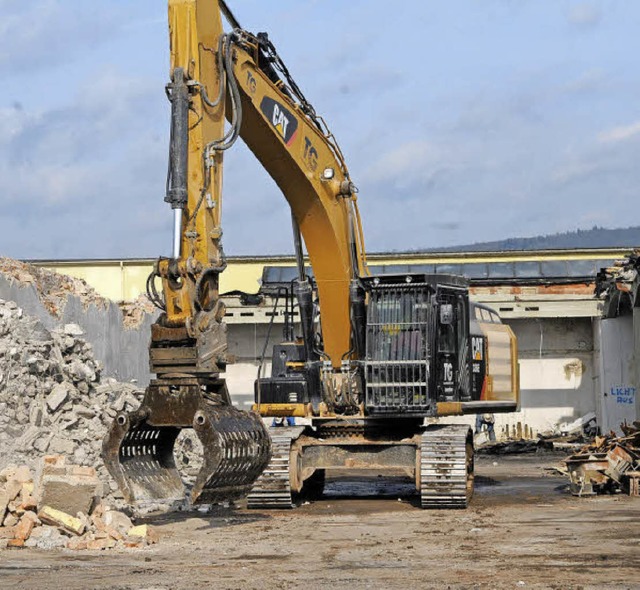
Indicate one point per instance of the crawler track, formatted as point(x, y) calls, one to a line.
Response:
point(446, 467)
point(273, 488)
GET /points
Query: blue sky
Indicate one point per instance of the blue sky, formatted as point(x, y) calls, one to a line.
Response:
point(461, 121)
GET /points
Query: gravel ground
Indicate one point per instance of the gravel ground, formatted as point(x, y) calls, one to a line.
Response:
point(523, 530)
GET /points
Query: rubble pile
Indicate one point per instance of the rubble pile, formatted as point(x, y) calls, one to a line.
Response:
point(62, 508)
point(610, 464)
point(53, 288)
point(52, 399)
point(136, 311)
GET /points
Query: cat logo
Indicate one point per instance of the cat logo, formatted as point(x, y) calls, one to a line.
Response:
point(477, 347)
point(282, 120)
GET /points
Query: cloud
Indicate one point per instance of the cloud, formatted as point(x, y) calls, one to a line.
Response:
point(50, 156)
point(476, 143)
point(45, 33)
point(584, 15)
point(90, 174)
point(618, 134)
point(588, 82)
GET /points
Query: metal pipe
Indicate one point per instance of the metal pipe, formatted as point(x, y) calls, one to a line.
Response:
point(177, 232)
point(232, 20)
point(297, 243)
point(179, 143)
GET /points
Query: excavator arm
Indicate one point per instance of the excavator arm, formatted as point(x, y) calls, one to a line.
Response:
point(297, 151)
point(239, 76)
point(394, 350)
point(233, 76)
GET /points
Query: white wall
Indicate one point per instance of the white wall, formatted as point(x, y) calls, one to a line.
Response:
point(617, 387)
point(556, 373)
point(556, 369)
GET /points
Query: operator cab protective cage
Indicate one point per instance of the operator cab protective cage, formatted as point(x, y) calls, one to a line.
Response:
point(417, 351)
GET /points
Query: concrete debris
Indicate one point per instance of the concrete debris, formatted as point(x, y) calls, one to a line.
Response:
point(53, 288)
point(134, 312)
point(100, 527)
point(52, 396)
point(143, 532)
point(70, 489)
point(608, 465)
point(618, 286)
point(62, 520)
point(511, 447)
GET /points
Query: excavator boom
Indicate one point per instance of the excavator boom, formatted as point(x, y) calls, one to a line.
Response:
point(389, 351)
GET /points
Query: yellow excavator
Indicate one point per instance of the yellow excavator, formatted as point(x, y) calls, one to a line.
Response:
point(376, 354)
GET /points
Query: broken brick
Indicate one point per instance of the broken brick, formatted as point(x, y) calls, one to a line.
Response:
point(144, 531)
point(114, 533)
point(58, 518)
point(29, 503)
point(12, 488)
point(77, 544)
point(23, 528)
point(99, 544)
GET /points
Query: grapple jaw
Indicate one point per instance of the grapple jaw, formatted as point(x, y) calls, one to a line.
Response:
point(138, 449)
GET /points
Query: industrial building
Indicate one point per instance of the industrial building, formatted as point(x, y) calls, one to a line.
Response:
point(573, 363)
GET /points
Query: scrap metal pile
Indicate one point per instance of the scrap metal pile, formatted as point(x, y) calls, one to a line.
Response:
point(618, 285)
point(610, 464)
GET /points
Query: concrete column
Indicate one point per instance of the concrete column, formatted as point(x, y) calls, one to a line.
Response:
point(617, 351)
point(598, 360)
point(636, 358)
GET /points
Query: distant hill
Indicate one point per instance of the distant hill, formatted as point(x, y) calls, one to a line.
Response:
point(596, 237)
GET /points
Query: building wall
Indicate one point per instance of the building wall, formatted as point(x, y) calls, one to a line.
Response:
point(559, 347)
point(617, 389)
point(124, 280)
point(556, 358)
point(122, 352)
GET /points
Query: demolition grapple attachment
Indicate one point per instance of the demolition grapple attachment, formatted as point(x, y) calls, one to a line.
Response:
point(138, 450)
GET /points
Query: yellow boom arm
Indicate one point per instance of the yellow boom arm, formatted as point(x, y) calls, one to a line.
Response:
point(268, 112)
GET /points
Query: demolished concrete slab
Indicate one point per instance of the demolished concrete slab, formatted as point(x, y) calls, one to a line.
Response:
point(99, 527)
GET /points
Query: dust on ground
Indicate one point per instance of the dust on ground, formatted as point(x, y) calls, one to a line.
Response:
point(523, 530)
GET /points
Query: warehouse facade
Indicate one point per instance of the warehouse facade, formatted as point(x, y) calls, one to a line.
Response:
point(573, 363)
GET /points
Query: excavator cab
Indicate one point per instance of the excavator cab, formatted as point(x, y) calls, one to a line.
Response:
point(425, 354)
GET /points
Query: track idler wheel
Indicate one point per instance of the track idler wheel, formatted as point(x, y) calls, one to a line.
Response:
point(138, 449)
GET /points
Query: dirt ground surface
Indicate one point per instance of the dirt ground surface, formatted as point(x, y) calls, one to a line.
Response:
point(523, 530)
